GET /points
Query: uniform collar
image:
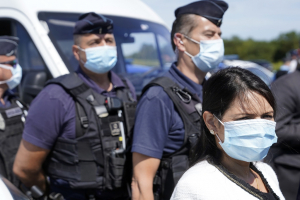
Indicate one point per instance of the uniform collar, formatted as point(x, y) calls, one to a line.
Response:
point(184, 81)
point(114, 78)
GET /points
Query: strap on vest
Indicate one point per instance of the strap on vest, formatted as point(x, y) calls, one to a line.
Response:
point(75, 86)
point(173, 165)
point(177, 95)
point(126, 94)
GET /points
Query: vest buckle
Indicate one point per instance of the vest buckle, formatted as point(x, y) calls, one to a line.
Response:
point(165, 164)
point(184, 96)
point(84, 121)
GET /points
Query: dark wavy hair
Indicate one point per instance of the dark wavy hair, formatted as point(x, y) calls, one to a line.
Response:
point(221, 89)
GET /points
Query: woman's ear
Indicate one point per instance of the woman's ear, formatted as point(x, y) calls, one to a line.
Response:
point(210, 122)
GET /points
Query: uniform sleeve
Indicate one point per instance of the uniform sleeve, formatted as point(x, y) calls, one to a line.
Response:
point(152, 124)
point(286, 92)
point(46, 117)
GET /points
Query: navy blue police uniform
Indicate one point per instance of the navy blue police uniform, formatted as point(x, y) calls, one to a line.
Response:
point(160, 129)
point(71, 118)
point(12, 112)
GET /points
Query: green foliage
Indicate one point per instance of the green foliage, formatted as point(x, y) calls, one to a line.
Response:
point(147, 55)
point(277, 65)
point(273, 51)
point(147, 51)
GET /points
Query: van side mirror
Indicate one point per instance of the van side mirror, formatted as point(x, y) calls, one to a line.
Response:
point(128, 39)
point(32, 84)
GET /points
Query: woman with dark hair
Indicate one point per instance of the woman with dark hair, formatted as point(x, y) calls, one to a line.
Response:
point(238, 130)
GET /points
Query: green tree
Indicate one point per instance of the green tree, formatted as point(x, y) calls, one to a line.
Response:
point(284, 43)
point(273, 51)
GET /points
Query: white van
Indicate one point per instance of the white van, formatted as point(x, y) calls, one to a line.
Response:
point(45, 30)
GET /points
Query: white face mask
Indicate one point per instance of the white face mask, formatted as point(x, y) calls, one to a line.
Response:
point(16, 77)
point(210, 55)
point(248, 140)
point(100, 59)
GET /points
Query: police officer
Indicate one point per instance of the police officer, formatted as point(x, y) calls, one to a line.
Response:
point(12, 111)
point(75, 130)
point(167, 122)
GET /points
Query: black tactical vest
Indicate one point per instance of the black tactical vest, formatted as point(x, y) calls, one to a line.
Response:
point(11, 127)
point(95, 158)
point(173, 165)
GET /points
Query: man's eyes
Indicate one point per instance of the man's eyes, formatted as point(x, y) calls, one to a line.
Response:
point(109, 41)
point(209, 35)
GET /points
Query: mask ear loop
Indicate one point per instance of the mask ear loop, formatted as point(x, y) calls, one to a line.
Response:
point(191, 39)
point(79, 54)
point(222, 124)
point(188, 54)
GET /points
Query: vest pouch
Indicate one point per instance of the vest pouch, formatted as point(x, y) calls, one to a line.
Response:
point(63, 162)
point(9, 147)
point(192, 141)
point(114, 171)
point(179, 165)
point(171, 171)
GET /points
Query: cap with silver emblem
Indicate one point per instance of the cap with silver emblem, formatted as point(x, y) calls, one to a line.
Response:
point(93, 23)
point(212, 10)
point(8, 45)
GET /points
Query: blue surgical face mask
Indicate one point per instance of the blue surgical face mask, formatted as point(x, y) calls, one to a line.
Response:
point(248, 140)
point(210, 55)
point(100, 59)
point(16, 77)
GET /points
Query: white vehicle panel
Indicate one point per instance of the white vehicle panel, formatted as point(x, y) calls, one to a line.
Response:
point(41, 41)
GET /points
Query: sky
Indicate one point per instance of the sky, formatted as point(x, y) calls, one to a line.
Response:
point(256, 19)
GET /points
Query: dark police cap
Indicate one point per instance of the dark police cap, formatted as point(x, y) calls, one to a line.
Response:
point(8, 45)
point(212, 10)
point(93, 23)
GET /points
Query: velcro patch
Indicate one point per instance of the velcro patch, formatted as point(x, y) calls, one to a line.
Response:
point(13, 112)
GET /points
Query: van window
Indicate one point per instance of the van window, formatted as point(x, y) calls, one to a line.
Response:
point(28, 55)
point(141, 55)
point(166, 51)
point(144, 48)
point(35, 71)
point(6, 27)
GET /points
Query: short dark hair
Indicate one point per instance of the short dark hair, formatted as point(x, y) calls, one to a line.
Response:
point(221, 89)
point(183, 24)
point(76, 39)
